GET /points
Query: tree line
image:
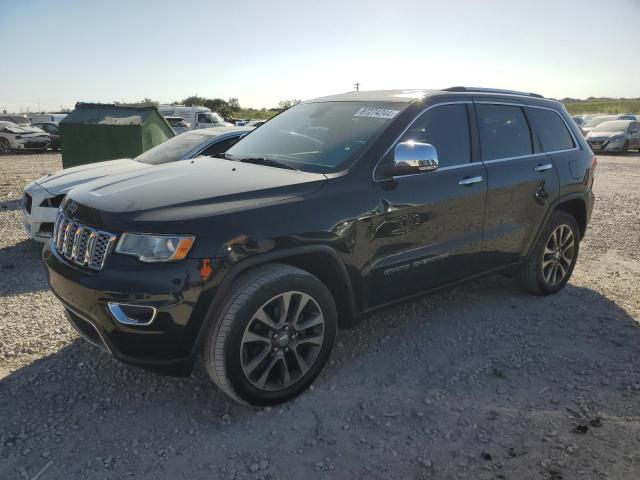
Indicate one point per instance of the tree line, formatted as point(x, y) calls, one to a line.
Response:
point(226, 108)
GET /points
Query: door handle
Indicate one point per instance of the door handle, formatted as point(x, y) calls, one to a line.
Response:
point(470, 181)
point(543, 167)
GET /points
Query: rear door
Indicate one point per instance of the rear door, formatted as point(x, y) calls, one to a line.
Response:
point(522, 180)
point(427, 230)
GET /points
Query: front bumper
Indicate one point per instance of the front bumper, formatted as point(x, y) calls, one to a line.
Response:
point(38, 220)
point(606, 146)
point(165, 346)
point(32, 145)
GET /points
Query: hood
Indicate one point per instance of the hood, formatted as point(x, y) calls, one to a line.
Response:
point(64, 180)
point(33, 134)
point(604, 135)
point(192, 189)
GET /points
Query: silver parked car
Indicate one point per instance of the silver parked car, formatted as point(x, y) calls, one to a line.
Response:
point(615, 136)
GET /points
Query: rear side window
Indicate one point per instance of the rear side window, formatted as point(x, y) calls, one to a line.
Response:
point(446, 127)
point(551, 129)
point(504, 132)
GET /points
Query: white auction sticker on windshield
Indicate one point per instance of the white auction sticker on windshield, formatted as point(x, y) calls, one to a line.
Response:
point(376, 113)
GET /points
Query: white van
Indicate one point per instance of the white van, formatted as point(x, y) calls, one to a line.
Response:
point(47, 117)
point(196, 117)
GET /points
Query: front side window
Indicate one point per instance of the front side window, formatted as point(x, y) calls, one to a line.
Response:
point(318, 137)
point(551, 129)
point(504, 132)
point(202, 118)
point(446, 127)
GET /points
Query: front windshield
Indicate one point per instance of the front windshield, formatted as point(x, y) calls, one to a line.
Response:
point(215, 117)
point(173, 149)
point(597, 121)
point(318, 137)
point(616, 126)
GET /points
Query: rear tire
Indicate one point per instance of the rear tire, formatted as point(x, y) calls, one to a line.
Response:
point(552, 259)
point(272, 336)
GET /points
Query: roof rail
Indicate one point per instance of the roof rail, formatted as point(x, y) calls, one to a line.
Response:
point(491, 90)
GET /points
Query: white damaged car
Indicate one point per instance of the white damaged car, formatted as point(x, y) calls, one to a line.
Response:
point(43, 197)
point(16, 138)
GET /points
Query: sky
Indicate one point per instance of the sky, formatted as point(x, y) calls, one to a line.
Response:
point(55, 53)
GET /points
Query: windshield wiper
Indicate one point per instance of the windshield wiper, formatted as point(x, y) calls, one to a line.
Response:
point(269, 162)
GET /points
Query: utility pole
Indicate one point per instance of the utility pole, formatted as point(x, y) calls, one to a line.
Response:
point(357, 86)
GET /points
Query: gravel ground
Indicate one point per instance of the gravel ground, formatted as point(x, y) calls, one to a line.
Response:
point(479, 381)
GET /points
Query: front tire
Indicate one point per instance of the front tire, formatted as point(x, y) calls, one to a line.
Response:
point(272, 337)
point(625, 148)
point(550, 264)
point(5, 146)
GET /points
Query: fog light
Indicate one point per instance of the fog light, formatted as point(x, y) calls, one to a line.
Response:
point(132, 314)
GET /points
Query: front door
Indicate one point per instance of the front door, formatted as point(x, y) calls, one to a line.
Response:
point(427, 230)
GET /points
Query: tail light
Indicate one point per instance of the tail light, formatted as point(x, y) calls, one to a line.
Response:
point(594, 163)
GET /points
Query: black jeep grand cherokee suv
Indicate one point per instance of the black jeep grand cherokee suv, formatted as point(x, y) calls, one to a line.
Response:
point(334, 208)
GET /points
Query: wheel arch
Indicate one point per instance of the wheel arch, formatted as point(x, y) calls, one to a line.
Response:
point(321, 261)
point(574, 204)
point(577, 207)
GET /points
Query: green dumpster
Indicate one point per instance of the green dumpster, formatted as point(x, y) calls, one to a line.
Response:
point(97, 132)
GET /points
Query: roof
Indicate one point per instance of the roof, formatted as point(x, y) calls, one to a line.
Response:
point(398, 96)
point(410, 95)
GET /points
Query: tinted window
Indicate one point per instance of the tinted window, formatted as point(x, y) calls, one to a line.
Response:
point(202, 118)
point(551, 129)
point(219, 147)
point(504, 132)
point(447, 128)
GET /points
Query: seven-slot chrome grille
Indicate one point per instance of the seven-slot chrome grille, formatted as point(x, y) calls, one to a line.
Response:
point(80, 244)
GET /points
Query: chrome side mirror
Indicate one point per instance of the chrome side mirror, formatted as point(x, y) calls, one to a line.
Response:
point(415, 157)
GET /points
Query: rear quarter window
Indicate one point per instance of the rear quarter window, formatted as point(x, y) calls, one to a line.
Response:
point(552, 131)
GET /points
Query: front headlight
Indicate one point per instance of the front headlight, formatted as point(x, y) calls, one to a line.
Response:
point(155, 248)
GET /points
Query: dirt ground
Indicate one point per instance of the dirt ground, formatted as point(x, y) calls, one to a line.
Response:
point(480, 381)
